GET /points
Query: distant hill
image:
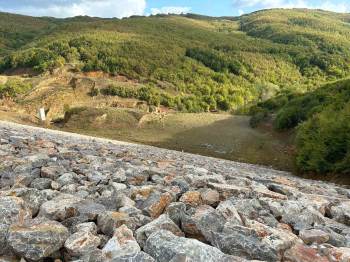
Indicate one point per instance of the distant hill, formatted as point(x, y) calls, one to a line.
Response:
point(190, 62)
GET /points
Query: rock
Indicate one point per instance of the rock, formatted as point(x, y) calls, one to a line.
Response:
point(255, 241)
point(229, 212)
point(310, 236)
point(12, 210)
point(341, 212)
point(66, 179)
point(36, 239)
point(210, 197)
point(302, 253)
point(176, 212)
point(191, 198)
point(32, 197)
point(227, 191)
point(89, 209)
point(121, 245)
point(162, 222)
point(52, 172)
point(108, 221)
point(201, 222)
point(164, 246)
point(299, 216)
point(86, 227)
point(155, 204)
point(81, 242)
point(341, 254)
point(60, 208)
point(41, 183)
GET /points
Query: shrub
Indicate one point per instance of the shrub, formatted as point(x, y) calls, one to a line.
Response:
point(13, 88)
point(323, 142)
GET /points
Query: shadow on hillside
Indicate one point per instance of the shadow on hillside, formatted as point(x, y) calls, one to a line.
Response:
point(234, 139)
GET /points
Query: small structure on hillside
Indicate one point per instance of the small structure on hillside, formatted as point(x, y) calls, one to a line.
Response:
point(42, 114)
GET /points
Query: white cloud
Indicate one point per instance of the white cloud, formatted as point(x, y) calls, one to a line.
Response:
point(342, 7)
point(171, 10)
point(65, 8)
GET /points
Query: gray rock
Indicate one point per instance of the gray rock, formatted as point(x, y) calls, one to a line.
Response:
point(60, 208)
point(66, 179)
point(121, 245)
point(162, 222)
point(89, 209)
point(87, 227)
point(37, 238)
point(52, 172)
point(341, 212)
point(163, 246)
point(41, 183)
point(81, 242)
point(32, 197)
point(12, 210)
point(108, 221)
point(176, 212)
point(310, 236)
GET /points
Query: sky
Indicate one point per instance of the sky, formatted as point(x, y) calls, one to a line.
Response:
point(125, 8)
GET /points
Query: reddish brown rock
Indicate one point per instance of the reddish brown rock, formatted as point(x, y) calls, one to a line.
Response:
point(192, 198)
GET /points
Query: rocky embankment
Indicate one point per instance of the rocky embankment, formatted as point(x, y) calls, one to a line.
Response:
point(66, 197)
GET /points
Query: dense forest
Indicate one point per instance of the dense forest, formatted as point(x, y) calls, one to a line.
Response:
point(279, 63)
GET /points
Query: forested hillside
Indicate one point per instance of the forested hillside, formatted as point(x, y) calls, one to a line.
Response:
point(322, 119)
point(189, 63)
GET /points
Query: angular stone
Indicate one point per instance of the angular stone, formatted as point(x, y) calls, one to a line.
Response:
point(341, 212)
point(41, 183)
point(176, 212)
point(89, 209)
point(210, 197)
point(299, 216)
point(37, 238)
point(12, 210)
point(191, 198)
point(60, 208)
point(303, 253)
point(162, 222)
point(121, 245)
point(310, 236)
point(32, 197)
point(202, 223)
point(229, 212)
point(256, 241)
point(52, 172)
point(227, 191)
point(81, 243)
point(163, 246)
point(87, 227)
point(108, 221)
point(155, 204)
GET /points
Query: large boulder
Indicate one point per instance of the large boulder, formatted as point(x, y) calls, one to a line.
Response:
point(36, 239)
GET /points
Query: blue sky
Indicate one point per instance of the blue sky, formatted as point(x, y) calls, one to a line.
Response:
point(124, 8)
